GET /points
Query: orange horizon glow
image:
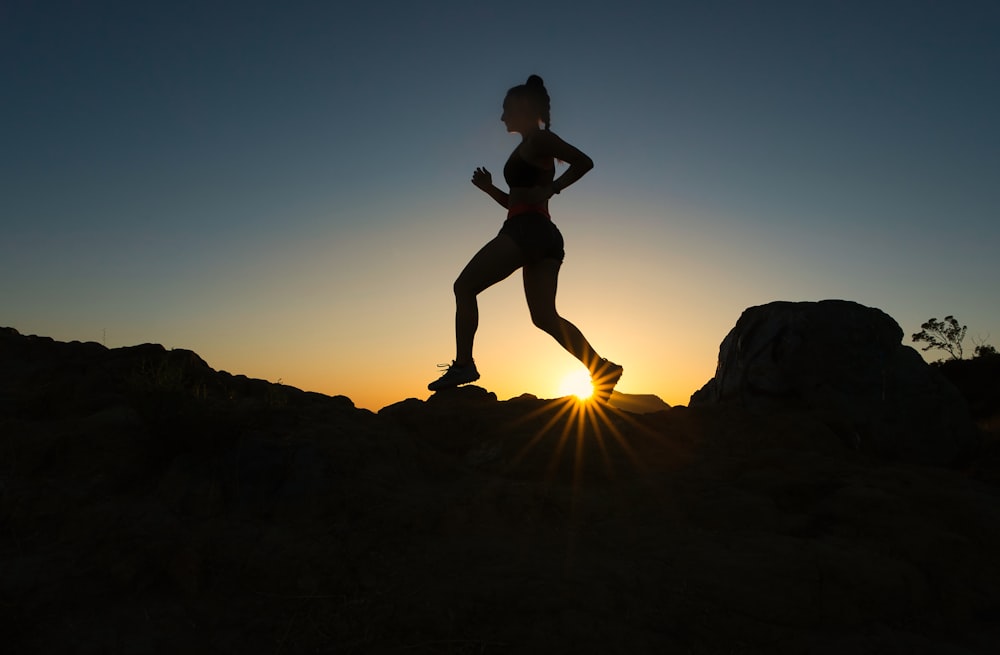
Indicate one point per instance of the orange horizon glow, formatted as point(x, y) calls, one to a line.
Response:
point(375, 335)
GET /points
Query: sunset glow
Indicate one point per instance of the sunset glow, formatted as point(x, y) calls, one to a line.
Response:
point(577, 383)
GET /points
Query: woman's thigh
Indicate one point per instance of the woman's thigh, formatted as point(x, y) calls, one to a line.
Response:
point(494, 262)
point(541, 280)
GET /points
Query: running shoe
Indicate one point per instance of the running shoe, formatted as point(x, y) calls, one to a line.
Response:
point(605, 378)
point(454, 376)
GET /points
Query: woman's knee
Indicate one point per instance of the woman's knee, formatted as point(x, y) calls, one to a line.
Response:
point(546, 321)
point(463, 289)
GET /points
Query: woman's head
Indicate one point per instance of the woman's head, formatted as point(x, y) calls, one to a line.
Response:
point(526, 106)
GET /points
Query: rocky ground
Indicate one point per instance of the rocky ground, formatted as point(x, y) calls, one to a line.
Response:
point(149, 504)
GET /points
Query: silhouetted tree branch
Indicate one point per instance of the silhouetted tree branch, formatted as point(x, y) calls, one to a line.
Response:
point(946, 335)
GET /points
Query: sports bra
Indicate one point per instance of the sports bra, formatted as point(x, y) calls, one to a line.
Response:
point(520, 173)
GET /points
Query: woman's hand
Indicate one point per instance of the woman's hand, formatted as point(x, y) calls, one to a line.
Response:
point(482, 179)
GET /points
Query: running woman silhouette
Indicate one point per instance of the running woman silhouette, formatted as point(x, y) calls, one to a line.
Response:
point(528, 240)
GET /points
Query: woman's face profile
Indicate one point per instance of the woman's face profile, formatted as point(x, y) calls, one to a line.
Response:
point(518, 114)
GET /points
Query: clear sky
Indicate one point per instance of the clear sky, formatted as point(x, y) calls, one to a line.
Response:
point(283, 187)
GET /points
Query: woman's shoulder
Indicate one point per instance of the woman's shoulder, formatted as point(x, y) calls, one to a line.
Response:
point(541, 144)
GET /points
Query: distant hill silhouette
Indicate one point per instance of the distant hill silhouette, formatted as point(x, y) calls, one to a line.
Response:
point(149, 503)
point(637, 403)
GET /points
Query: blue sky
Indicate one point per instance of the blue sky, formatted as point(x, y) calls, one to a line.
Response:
point(283, 187)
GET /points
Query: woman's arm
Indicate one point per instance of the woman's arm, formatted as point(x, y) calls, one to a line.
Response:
point(547, 145)
point(483, 180)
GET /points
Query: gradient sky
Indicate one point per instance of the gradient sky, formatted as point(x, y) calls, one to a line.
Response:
point(283, 187)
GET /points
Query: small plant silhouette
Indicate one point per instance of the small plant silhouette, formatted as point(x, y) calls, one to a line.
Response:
point(985, 350)
point(946, 335)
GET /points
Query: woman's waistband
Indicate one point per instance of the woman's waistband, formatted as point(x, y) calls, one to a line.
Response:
point(528, 209)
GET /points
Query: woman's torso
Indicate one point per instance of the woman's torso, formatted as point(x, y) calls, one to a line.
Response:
point(523, 175)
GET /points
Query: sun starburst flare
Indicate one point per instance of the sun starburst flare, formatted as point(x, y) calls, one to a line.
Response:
point(573, 427)
point(577, 383)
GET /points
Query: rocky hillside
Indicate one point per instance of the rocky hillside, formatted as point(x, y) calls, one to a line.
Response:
point(149, 504)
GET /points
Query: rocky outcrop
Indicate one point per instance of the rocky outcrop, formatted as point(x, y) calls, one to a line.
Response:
point(847, 362)
point(150, 504)
point(978, 380)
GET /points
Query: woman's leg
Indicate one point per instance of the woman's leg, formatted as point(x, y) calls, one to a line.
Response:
point(540, 282)
point(493, 263)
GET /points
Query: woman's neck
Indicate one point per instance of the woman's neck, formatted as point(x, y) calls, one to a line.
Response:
point(528, 133)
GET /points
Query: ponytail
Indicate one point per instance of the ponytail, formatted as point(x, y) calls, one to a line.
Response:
point(534, 89)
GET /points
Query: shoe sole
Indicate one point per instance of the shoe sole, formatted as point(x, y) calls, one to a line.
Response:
point(451, 385)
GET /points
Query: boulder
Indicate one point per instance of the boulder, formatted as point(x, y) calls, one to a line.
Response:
point(845, 361)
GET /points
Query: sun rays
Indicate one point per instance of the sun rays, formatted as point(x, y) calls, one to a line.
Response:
point(574, 432)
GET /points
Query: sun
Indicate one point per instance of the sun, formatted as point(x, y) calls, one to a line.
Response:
point(577, 383)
